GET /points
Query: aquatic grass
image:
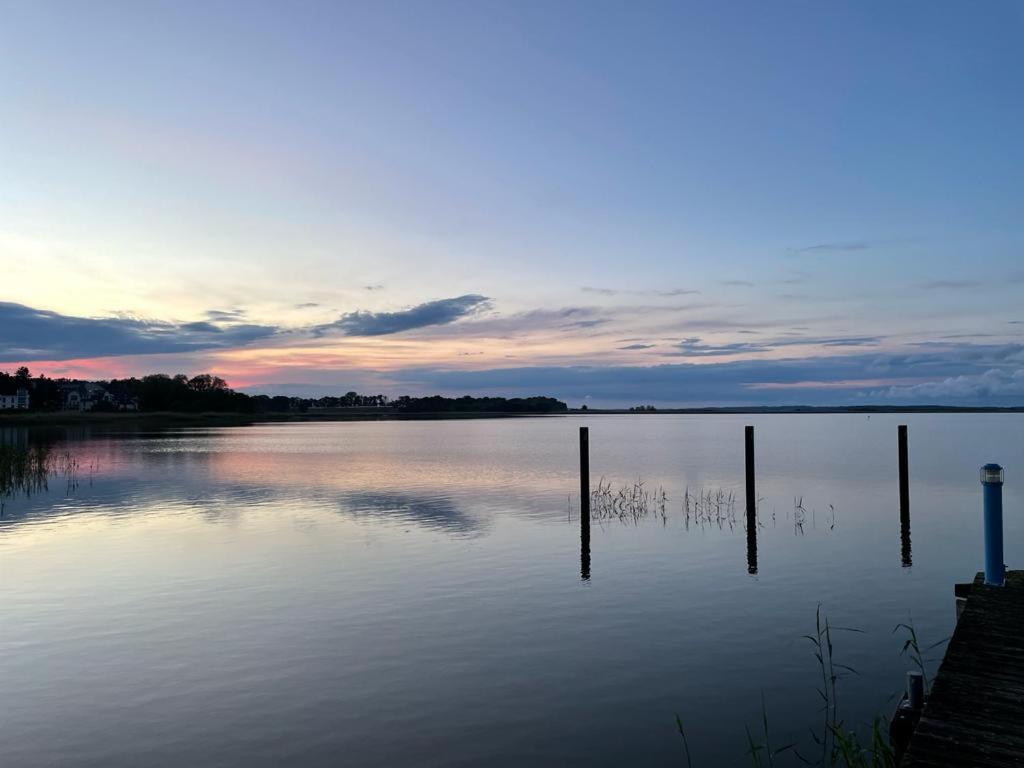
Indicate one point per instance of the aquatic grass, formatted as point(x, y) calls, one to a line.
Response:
point(913, 651)
point(850, 753)
point(627, 503)
point(23, 470)
point(799, 514)
point(840, 747)
point(686, 744)
point(634, 502)
point(756, 750)
point(831, 673)
point(28, 470)
point(709, 507)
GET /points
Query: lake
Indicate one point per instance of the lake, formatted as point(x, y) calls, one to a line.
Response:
point(410, 593)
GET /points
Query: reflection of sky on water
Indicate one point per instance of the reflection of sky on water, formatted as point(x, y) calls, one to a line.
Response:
point(188, 488)
point(368, 589)
point(456, 475)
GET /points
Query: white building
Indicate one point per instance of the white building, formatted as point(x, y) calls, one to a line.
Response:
point(19, 400)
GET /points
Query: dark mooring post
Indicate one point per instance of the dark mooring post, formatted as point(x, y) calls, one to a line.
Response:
point(751, 493)
point(585, 503)
point(585, 471)
point(751, 503)
point(904, 471)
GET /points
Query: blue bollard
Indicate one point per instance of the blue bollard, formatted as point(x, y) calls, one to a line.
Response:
point(992, 483)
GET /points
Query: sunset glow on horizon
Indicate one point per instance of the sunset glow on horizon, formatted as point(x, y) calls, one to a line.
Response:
point(685, 205)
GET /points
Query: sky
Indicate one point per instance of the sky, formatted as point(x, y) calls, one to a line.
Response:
point(613, 203)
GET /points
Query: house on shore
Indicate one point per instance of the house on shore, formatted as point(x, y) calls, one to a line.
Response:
point(18, 401)
point(89, 396)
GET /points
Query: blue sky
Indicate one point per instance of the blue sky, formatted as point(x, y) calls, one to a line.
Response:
point(679, 203)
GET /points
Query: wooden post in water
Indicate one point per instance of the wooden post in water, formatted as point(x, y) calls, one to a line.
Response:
point(751, 502)
point(751, 493)
point(585, 471)
point(585, 503)
point(904, 471)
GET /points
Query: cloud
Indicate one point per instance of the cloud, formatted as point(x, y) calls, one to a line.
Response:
point(852, 245)
point(738, 283)
point(722, 383)
point(625, 292)
point(374, 287)
point(819, 380)
point(676, 292)
point(200, 327)
point(225, 315)
point(638, 346)
point(849, 341)
point(585, 323)
point(993, 384)
point(307, 305)
point(519, 323)
point(940, 285)
point(860, 377)
point(36, 334)
point(440, 312)
point(693, 346)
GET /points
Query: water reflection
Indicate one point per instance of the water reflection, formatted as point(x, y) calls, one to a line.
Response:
point(26, 468)
point(585, 547)
point(220, 472)
point(328, 579)
point(429, 511)
point(752, 549)
point(906, 557)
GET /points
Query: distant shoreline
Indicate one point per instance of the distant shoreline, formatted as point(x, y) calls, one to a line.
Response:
point(172, 418)
point(792, 409)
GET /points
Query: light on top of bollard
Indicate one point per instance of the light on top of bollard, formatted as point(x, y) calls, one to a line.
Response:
point(992, 474)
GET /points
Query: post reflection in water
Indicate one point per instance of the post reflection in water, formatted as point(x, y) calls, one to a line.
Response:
point(906, 557)
point(752, 549)
point(585, 547)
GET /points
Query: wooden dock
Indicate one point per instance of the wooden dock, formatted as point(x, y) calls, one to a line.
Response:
point(974, 715)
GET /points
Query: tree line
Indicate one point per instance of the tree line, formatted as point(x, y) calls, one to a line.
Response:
point(210, 393)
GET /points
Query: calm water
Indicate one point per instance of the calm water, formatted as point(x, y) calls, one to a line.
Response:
point(409, 593)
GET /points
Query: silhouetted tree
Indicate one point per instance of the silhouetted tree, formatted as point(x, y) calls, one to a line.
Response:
point(206, 382)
